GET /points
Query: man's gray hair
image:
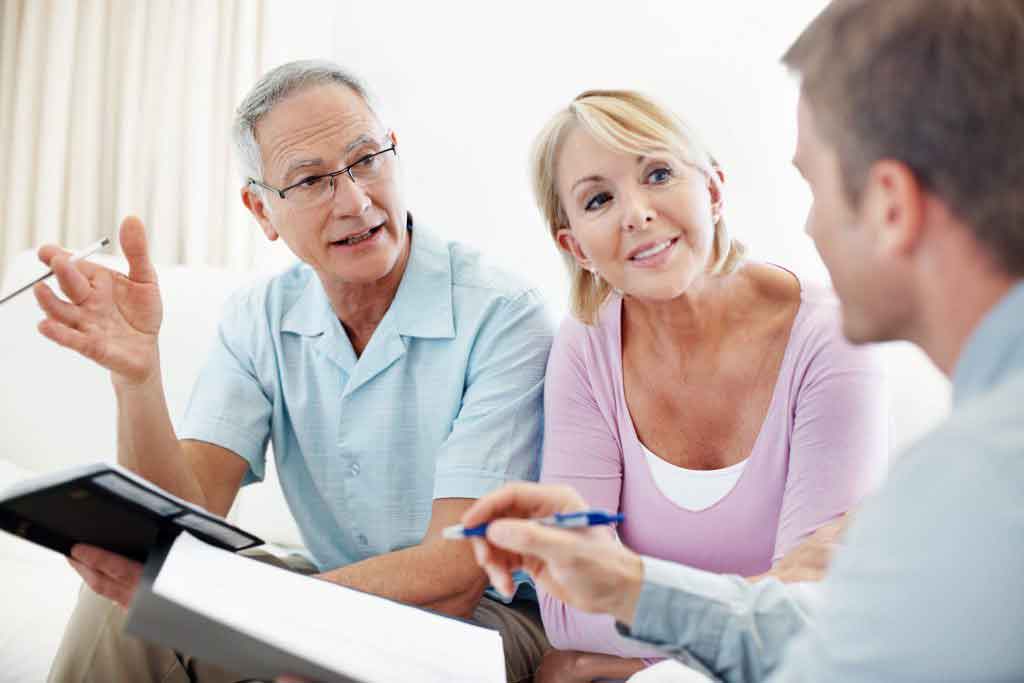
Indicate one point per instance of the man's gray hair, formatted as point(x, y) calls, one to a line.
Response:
point(275, 86)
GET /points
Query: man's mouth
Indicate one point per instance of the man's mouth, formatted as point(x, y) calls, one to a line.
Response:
point(352, 240)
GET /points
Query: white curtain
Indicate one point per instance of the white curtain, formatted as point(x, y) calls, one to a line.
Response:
point(112, 107)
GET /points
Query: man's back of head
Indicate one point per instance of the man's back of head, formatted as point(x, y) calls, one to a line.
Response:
point(935, 89)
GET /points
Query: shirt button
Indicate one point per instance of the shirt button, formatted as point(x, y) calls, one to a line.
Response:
point(354, 469)
point(362, 539)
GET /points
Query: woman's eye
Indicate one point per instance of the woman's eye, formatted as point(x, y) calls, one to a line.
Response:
point(659, 175)
point(597, 201)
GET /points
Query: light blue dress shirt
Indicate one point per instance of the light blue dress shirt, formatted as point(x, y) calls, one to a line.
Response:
point(930, 585)
point(444, 402)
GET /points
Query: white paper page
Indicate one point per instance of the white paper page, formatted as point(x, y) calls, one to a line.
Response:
point(361, 635)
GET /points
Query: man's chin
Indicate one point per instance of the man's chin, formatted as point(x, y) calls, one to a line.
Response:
point(859, 331)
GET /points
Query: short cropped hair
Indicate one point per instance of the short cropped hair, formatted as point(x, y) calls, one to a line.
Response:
point(629, 122)
point(935, 84)
point(276, 85)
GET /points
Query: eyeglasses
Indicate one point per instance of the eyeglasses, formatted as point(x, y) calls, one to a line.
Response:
point(318, 188)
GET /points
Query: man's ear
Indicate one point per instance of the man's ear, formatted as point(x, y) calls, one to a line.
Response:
point(253, 201)
point(568, 243)
point(894, 204)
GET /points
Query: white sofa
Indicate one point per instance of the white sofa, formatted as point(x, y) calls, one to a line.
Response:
point(57, 410)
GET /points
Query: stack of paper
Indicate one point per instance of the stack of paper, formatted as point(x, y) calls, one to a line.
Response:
point(259, 620)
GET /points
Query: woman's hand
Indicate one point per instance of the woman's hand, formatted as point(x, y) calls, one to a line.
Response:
point(569, 666)
point(810, 560)
point(110, 318)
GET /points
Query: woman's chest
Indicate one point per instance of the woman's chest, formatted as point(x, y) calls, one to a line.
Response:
point(704, 415)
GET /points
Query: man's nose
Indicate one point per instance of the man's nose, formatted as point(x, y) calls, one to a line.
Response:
point(350, 199)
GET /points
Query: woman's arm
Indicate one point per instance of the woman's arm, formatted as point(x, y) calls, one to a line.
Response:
point(839, 444)
point(581, 450)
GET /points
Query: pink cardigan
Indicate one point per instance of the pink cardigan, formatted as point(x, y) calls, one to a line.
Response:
point(822, 447)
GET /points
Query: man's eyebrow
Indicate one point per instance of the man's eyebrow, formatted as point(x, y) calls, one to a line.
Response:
point(301, 163)
point(361, 140)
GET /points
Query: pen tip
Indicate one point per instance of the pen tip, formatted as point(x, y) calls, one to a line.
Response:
point(105, 241)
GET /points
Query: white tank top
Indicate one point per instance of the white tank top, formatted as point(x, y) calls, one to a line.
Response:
point(694, 490)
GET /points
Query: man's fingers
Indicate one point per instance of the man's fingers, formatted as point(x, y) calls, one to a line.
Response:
point(47, 252)
point(73, 282)
point(530, 538)
point(523, 499)
point(101, 584)
point(58, 310)
point(133, 244)
point(111, 564)
point(71, 338)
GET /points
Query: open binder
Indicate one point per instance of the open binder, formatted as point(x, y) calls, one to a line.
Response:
point(111, 508)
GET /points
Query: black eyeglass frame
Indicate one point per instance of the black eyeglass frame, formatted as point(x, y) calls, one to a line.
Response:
point(330, 176)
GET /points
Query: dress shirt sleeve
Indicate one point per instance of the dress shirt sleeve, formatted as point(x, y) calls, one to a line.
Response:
point(496, 436)
point(839, 444)
point(928, 585)
point(719, 624)
point(229, 406)
point(581, 450)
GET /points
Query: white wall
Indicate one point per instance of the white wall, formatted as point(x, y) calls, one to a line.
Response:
point(466, 86)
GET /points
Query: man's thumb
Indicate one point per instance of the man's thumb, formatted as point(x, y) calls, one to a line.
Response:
point(133, 244)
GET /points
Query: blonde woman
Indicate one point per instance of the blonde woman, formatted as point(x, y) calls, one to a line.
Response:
point(709, 397)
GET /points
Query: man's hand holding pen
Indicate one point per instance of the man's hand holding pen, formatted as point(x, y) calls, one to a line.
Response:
point(586, 567)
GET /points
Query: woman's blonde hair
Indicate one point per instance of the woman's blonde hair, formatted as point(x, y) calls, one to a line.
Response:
point(632, 123)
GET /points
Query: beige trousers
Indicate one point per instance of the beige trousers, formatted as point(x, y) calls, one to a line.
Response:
point(95, 648)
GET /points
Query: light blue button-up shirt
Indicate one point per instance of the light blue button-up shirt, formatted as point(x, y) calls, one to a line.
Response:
point(930, 585)
point(444, 402)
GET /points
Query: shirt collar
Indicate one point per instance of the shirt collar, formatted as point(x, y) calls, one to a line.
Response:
point(994, 349)
point(422, 306)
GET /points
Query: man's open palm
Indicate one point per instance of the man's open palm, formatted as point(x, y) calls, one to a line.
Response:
point(109, 318)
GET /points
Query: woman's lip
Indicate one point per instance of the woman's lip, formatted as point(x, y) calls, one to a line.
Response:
point(650, 245)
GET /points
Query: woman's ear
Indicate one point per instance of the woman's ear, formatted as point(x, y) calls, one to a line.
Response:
point(568, 243)
point(716, 183)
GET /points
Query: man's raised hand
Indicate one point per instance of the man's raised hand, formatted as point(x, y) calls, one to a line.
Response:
point(110, 318)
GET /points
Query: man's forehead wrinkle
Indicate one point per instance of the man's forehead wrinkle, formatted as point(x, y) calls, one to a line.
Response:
point(300, 142)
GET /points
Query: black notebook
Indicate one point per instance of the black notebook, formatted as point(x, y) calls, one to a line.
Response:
point(109, 507)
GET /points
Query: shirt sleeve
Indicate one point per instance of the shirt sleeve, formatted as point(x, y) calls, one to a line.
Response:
point(733, 629)
point(928, 585)
point(496, 436)
point(229, 407)
point(839, 445)
point(581, 450)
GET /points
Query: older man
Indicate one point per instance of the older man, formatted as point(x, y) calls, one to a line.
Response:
point(911, 127)
point(397, 375)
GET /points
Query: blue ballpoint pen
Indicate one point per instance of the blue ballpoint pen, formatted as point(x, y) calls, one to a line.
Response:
point(561, 520)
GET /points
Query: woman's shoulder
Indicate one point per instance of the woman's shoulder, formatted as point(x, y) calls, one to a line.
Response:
point(601, 337)
point(818, 334)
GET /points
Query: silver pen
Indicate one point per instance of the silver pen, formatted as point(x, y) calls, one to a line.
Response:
point(77, 256)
